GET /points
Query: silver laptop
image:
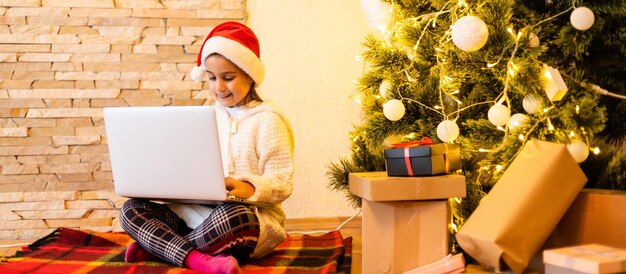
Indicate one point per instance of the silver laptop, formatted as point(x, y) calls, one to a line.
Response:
point(166, 153)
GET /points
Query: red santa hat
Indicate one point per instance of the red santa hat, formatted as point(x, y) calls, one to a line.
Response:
point(237, 43)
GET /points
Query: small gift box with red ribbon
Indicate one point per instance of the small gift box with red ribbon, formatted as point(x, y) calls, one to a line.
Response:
point(422, 158)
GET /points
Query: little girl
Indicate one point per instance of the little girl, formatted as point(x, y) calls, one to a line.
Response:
point(257, 150)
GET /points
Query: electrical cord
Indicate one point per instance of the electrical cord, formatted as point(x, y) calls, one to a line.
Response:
point(14, 245)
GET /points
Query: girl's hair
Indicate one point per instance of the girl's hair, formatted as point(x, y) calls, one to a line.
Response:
point(252, 95)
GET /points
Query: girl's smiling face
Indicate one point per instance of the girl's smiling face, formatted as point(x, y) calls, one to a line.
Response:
point(227, 81)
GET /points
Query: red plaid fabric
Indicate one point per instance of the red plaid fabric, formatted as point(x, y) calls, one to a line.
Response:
point(79, 251)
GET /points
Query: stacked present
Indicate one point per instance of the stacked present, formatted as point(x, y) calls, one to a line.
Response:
point(406, 210)
point(422, 158)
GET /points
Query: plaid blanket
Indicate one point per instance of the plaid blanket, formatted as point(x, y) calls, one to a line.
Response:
point(80, 251)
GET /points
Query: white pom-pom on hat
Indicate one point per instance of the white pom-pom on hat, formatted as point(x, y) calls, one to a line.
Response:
point(197, 73)
point(237, 43)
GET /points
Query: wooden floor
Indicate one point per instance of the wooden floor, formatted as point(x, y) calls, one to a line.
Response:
point(315, 225)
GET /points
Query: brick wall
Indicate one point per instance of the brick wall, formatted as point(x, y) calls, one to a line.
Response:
point(61, 62)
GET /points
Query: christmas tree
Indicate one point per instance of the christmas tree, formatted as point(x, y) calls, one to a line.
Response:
point(491, 75)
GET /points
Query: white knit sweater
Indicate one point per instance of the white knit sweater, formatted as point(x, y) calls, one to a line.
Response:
point(257, 146)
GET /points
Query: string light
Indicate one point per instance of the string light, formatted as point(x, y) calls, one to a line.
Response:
point(550, 126)
point(453, 227)
point(408, 77)
point(596, 150)
point(572, 134)
point(511, 71)
point(521, 137)
point(483, 150)
point(499, 168)
point(512, 68)
point(577, 109)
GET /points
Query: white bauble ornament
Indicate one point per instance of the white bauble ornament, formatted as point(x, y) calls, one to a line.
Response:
point(532, 103)
point(579, 150)
point(447, 131)
point(499, 114)
point(393, 109)
point(384, 88)
point(518, 120)
point(582, 18)
point(379, 14)
point(533, 40)
point(469, 33)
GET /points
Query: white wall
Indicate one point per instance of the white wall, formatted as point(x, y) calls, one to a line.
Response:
point(308, 48)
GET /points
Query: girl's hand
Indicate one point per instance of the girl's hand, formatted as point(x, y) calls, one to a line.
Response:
point(239, 189)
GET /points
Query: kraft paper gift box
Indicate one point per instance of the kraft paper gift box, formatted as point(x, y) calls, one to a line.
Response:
point(596, 216)
point(422, 160)
point(590, 258)
point(513, 221)
point(405, 219)
point(378, 187)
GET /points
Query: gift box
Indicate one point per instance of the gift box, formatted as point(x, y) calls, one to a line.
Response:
point(377, 186)
point(422, 160)
point(405, 219)
point(512, 222)
point(596, 216)
point(590, 258)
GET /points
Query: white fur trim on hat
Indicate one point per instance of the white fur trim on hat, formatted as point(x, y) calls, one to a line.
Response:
point(237, 53)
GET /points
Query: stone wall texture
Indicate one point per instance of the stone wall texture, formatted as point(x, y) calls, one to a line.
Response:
point(61, 62)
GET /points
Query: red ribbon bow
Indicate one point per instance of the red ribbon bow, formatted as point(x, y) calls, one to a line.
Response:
point(424, 141)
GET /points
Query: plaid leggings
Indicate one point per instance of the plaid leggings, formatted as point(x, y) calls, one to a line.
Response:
point(230, 229)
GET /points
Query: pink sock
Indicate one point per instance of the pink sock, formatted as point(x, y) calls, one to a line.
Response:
point(199, 261)
point(136, 253)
